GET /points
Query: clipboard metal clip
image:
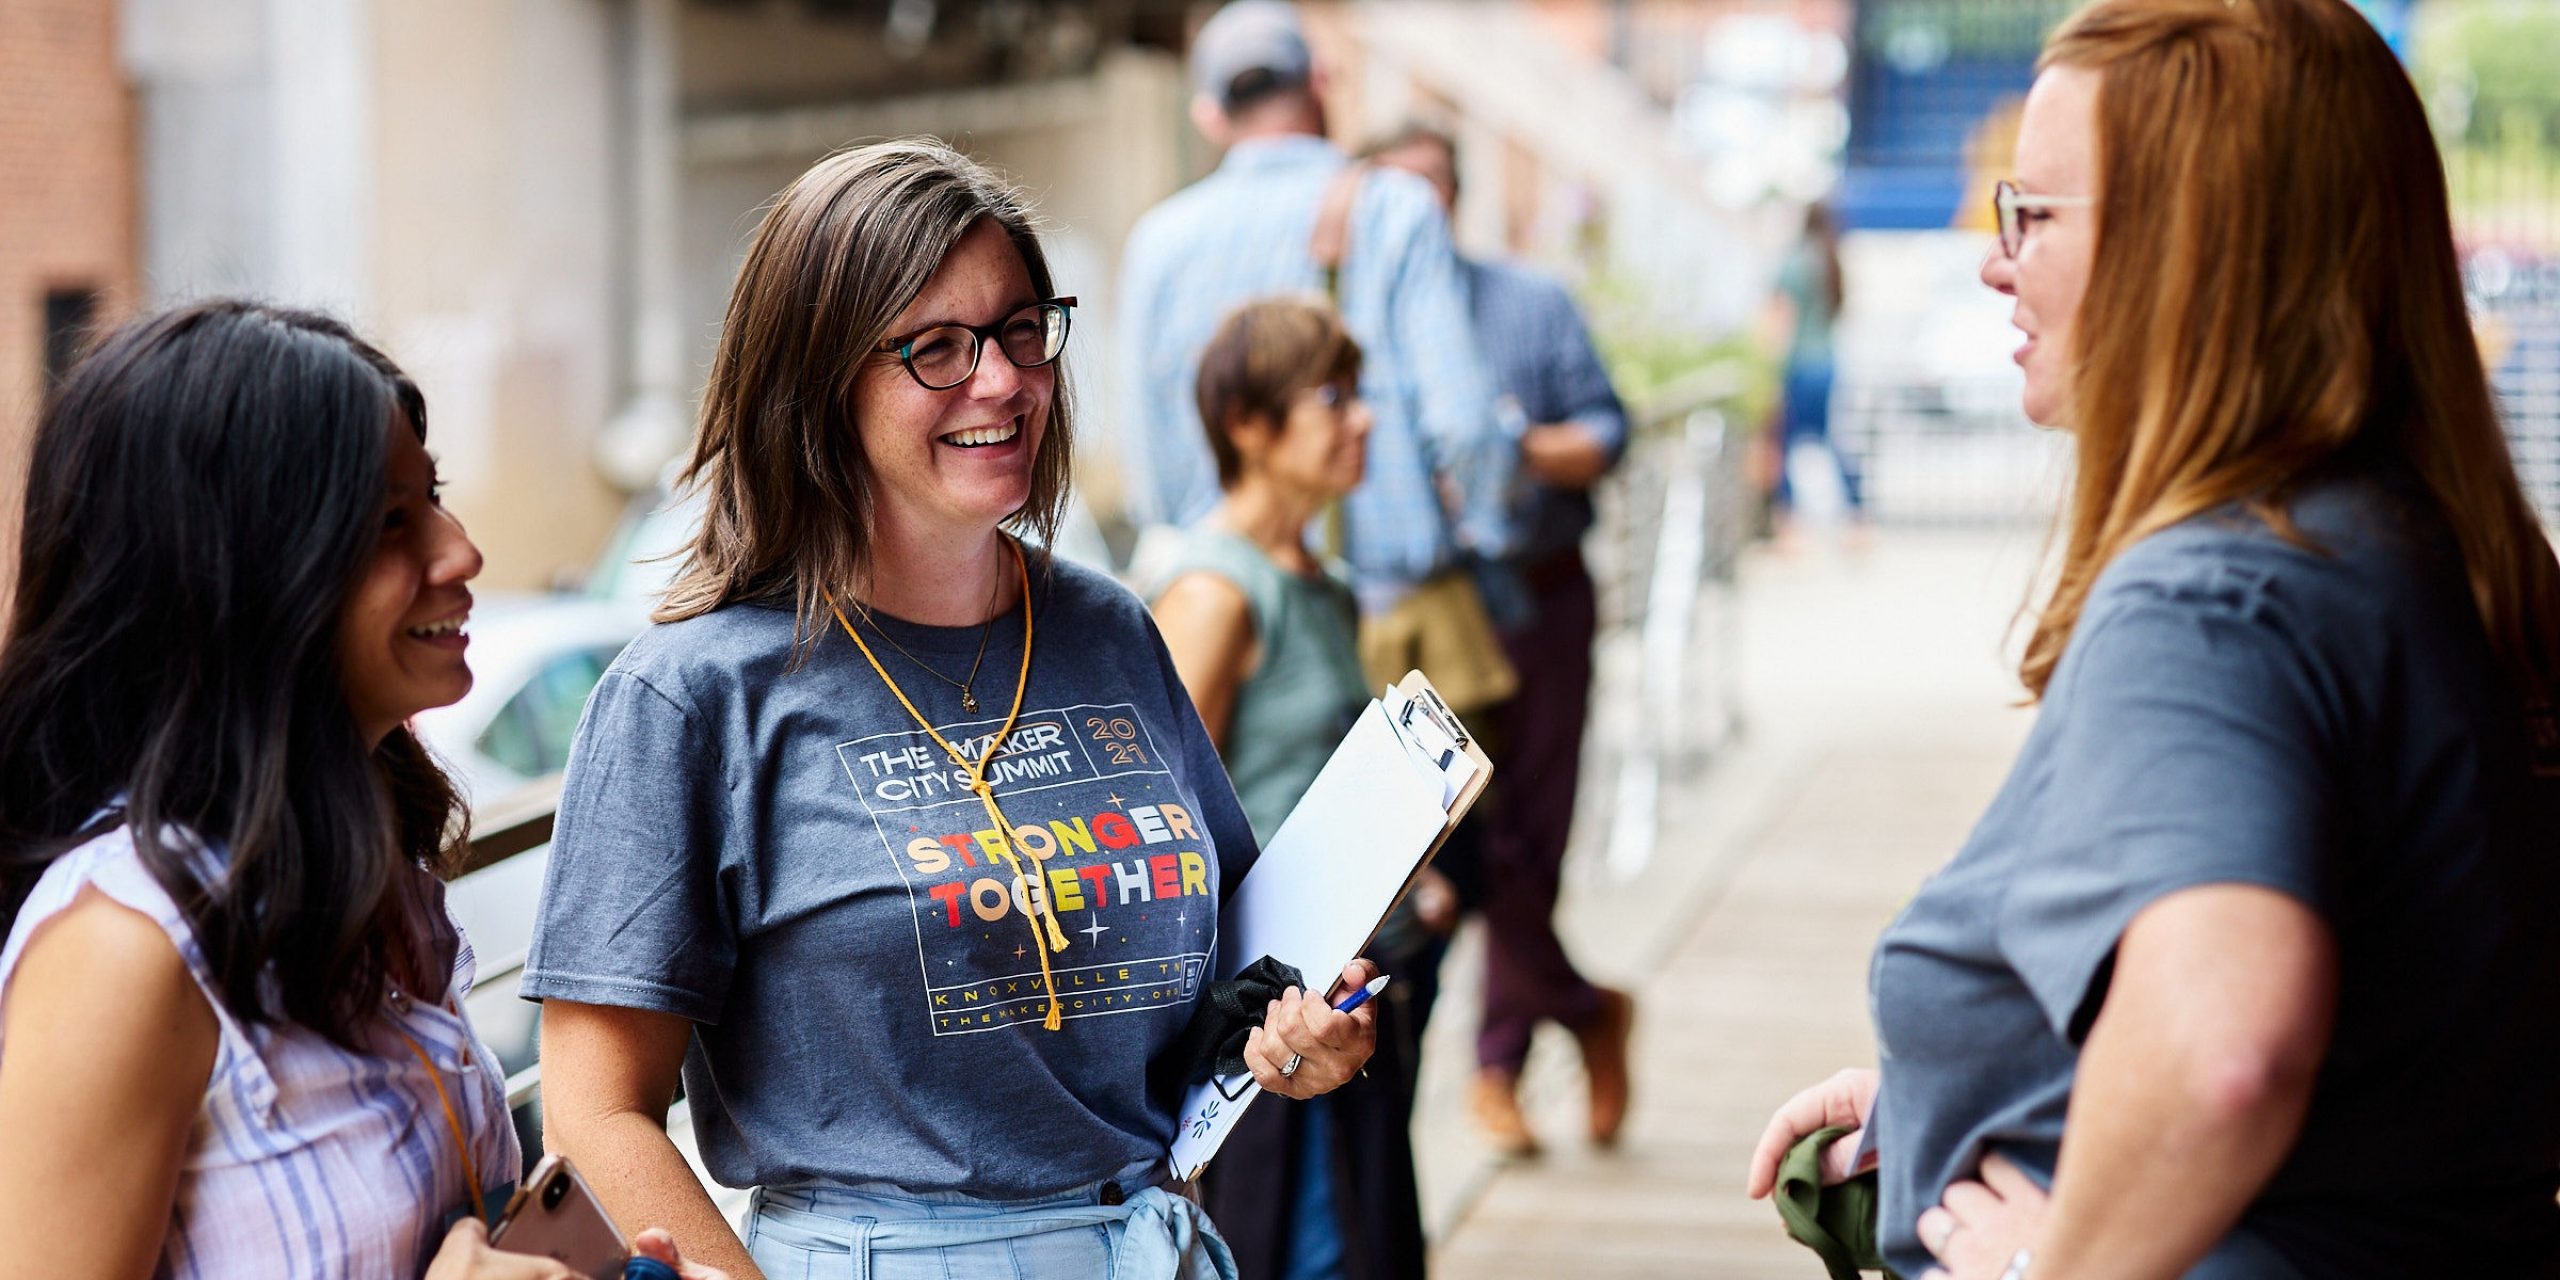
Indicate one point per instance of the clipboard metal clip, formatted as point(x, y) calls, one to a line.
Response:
point(1427, 704)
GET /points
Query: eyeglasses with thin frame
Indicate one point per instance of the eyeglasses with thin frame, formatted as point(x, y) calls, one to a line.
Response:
point(2009, 207)
point(946, 355)
point(1332, 395)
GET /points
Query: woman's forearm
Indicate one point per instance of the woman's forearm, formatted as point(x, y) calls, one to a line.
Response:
point(644, 1181)
point(2193, 1083)
point(2155, 1172)
point(608, 1076)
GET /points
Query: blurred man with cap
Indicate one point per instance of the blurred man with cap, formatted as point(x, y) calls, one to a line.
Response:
point(1325, 1192)
point(1247, 230)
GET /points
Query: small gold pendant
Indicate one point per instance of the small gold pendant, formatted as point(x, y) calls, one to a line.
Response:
point(968, 701)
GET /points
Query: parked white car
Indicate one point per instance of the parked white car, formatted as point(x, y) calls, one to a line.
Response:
point(534, 660)
point(641, 558)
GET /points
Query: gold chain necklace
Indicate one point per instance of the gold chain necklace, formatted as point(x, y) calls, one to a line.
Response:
point(968, 698)
point(1040, 910)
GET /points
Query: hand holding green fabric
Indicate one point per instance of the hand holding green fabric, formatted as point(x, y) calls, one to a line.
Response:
point(1837, 1222)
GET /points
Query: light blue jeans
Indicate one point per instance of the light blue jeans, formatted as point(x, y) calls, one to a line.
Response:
point(873, 1231)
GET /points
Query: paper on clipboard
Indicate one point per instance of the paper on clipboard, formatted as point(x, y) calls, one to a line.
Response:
point(1368, 824)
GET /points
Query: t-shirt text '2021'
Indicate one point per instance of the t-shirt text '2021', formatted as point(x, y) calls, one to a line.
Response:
point(1103, 861)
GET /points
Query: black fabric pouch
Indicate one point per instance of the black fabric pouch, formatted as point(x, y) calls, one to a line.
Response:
point(1212, 1043)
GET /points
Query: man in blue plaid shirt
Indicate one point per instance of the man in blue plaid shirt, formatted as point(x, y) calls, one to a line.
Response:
point(1546, 367)
point(1246, 231)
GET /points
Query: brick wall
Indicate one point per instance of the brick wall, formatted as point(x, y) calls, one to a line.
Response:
point(67, 201)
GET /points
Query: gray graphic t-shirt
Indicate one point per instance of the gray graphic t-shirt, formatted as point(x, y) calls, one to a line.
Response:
point(788, 860)
point(2326, 721)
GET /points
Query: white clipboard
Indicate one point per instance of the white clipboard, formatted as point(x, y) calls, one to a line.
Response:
point(1373, 818)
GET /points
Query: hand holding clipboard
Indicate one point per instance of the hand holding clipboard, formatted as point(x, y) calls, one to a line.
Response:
point(1374, 817)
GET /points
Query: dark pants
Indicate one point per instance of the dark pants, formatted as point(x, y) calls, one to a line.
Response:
point(1250, 1190)
point(1537, 764)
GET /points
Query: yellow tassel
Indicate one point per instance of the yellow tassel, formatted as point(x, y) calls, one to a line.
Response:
point(1047, 914)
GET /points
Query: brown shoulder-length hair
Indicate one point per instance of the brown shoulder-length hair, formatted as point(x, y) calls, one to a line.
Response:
point(1264, 354)
point(2275, 279)
point(788, 492)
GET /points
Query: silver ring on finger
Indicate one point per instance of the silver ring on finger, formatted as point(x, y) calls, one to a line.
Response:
point(1290, 1068)
point(1945, 1237)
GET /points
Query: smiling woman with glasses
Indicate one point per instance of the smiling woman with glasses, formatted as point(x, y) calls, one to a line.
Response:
point(896, 841)
point(2248, 971)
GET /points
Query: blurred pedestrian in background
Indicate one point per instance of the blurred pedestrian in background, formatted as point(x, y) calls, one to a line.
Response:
point(1553, 382)
point(1803, 311)
point(2249, 968)
point(809, 844)
point(1264, 635)
point(1288, 212)
point(231, 997)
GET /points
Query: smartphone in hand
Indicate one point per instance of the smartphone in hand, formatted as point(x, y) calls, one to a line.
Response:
point(553, 1215)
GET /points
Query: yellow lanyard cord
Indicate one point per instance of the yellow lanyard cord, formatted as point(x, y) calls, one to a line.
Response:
point(1036, 904)
point(453, 1118)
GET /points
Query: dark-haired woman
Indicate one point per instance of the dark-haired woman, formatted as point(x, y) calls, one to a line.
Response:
point(231, 1039)
point(901, 842)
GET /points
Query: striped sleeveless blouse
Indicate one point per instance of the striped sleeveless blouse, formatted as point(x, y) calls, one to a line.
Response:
point(308, 1160)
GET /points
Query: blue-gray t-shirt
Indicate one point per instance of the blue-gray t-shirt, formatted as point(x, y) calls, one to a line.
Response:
point(2329, 724)
point(786, 859)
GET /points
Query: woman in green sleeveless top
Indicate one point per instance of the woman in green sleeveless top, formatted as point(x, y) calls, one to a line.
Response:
point(1264, 636)
point(1265, 639)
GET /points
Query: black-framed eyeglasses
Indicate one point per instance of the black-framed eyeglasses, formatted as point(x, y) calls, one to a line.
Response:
point(2010, 206)
point(946, 355)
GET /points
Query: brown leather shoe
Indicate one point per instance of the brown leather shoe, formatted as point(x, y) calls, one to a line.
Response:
point(1604, 1060)
point(1494, 1102)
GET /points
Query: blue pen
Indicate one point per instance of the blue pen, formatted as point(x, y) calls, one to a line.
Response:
point(1361, 996)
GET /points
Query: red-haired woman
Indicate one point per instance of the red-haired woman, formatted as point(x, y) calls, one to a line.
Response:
point(2249, 970)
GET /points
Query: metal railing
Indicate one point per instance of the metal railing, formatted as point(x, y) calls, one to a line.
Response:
point(503, 837)
point(516, 827)
point(1948, 454)
point(1665, 555)
point(2520, 327)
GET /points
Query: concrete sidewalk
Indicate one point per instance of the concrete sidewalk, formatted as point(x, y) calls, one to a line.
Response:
point(1880, 716)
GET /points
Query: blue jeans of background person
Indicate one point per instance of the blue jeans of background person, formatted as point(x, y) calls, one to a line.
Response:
point(1807, 415)
point(873, 1231)
point(1315, 1231)
point(1365, 1219)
